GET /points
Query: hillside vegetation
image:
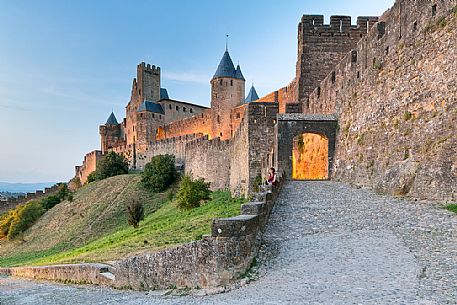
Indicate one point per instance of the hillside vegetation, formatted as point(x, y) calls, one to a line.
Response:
point(94, 227)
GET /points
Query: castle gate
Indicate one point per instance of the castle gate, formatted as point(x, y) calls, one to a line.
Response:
point(305, 145)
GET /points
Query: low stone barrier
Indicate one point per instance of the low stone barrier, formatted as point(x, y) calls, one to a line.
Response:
point(216, 260)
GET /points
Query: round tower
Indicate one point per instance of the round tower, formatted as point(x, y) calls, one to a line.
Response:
point(227, 92)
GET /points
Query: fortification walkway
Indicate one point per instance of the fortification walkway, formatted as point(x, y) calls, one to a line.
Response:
point(326, 243)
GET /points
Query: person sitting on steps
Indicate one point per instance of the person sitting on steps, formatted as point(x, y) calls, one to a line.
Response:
point(271, 180)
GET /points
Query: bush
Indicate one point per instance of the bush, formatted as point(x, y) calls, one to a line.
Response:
point(192, 192)
point(112, 164)
point(136, 213)
point(5, 223)
point(50, 201)
point(257, 183)
point(159, 173)
point(24, 217)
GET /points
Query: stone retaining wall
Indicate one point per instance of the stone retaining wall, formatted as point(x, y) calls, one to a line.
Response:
point(218, 259)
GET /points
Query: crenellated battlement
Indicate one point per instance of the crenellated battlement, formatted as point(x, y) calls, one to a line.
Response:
point(311, 25)
point(148, 68)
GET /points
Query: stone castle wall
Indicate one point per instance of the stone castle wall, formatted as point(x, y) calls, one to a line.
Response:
point(89, 165)
point(395, 97)
point(11, 203)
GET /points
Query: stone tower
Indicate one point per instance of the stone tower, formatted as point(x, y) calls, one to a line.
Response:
point(227, 92)
point(321, 47)
point(111, 134)
point(145, 87)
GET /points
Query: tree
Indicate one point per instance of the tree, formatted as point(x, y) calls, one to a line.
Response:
point(112, 164)
point(136, 213)
point(192, 192)
point(159, 173)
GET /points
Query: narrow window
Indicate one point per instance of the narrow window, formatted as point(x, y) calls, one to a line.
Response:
point(333, 77)
point(169, 106)
point(191, 110)
point(358, 74)
point(220, 82)
point(415, 26)
point(238, 115)
point(177, 108)
point(141, 115)
point(231, 82)
point(184, 109)
point(221, 134)
point(433, 10)
point(218, 119)
point(387, 51)
point(318, 92)
point(153, 115)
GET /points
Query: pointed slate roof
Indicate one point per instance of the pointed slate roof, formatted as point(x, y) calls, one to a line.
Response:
point(226, 67)
point(111, 120)
point(151, 107)
point(164, 94)
point(252, 96)
point(238, 73)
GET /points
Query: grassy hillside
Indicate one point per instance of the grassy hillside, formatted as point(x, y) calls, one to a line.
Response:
point(94, 226)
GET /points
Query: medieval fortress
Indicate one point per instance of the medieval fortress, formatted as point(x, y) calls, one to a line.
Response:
point(373, 104)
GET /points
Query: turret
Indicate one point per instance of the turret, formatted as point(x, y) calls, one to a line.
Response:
point(110, 134)
point(252, 95)
point(227, 92)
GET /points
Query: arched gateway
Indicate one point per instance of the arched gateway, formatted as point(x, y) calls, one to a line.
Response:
point(305, 145)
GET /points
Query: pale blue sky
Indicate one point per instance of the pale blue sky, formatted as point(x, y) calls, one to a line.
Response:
point(65, 64)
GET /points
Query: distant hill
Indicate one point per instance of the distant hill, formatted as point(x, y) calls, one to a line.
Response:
point(23, 187)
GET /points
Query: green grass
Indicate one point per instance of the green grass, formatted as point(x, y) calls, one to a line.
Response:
point(98, 230)
point(452, 207)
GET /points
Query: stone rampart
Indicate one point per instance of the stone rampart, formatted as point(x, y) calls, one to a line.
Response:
point(396, 100)
point(11, 203)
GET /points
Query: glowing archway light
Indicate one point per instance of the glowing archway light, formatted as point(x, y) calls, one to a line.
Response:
point(310, 157)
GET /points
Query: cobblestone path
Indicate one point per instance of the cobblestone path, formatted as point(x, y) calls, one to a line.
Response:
point(326, 243)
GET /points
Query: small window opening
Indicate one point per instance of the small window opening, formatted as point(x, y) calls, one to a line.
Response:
point(387, 51)
point(220, 134)
point(184, 109)
point(434, 10)
point(177, 108)
point(218, 119)
point(220, 82)
point(231, 82)
point(318, 92)
point(191, 110)
point(358, 74)
point(169, 106)
point(333, 77)
point(415, 26)
point(153, 115)
point(238, 115)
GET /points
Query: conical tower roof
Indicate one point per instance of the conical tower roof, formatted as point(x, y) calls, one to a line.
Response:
point(111, 120)
point(252, 96)
point(238, 73)
point(226, 67)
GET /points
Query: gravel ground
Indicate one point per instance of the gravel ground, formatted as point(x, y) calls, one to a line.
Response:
point(326, 243)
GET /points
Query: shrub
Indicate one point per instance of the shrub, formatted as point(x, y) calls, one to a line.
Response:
point(257, 183)
point(192, 192)
point(136, 213)
point(5, 223)
point(112, 164)
point(24, 217)
point(50, 201)
point(159, 173)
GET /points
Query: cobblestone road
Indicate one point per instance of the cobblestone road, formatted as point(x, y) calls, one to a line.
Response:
point(326, 243)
